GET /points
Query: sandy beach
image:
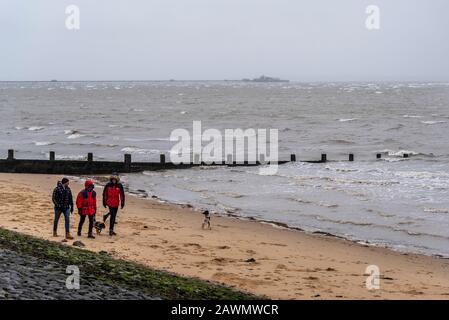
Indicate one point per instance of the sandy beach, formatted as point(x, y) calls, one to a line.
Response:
point(287, 264)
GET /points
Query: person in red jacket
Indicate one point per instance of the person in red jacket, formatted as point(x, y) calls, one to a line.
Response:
point(86, 202)
point(113, 197)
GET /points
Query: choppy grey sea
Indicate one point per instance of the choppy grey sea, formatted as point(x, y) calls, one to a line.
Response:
point(397, 202)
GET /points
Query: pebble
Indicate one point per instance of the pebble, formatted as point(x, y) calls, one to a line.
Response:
point(79, 244)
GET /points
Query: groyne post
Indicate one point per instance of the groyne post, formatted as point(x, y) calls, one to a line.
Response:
point(406, 155)
point(127, 162)
point(293, 157)
point(162, 158)
point(10, 154)
point(90, 157)
point(379, 155)
point(351, 157)
point(196, 158)
point(52, 156)
point(323, 157)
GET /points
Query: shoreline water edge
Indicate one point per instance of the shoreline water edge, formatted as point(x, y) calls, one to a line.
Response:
point(142, 194)
point(260, 258)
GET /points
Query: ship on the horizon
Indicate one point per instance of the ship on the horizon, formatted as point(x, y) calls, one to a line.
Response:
point(264, 78)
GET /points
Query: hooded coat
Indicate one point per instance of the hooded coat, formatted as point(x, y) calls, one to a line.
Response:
point(86, 202)
point(114, 194)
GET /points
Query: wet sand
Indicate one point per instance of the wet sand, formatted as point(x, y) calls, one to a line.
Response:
point(256, 257)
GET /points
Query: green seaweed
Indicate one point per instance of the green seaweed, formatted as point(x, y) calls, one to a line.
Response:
point(162, 284)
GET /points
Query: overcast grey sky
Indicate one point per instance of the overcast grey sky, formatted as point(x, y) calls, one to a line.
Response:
point(315, 40)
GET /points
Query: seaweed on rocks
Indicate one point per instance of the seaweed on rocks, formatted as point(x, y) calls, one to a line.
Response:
point(106, 269)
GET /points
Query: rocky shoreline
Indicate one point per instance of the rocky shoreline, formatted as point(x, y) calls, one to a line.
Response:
point(35, 269)
point(26, 277)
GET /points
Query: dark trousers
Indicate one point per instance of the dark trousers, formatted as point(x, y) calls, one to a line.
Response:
point(113, 214)
point(91, 223)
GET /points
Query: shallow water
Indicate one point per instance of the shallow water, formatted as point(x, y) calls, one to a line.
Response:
point(398, 202)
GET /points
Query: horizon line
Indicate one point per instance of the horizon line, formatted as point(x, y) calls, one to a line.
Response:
point(227, 80)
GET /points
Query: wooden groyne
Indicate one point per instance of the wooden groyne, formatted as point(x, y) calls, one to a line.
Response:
point(89, 166)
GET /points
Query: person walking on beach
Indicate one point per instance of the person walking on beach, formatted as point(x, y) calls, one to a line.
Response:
point(113, 196)
point(63, 201)
point(86, 202)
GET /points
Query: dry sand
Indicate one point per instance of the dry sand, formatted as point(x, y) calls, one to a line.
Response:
point(288, 264)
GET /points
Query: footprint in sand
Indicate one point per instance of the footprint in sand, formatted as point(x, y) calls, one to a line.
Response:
point(234, 279)
point(281, 267)
point(311, 278)
point(196, 235)
point(196, 245)
point(147, 227)
point(414, 292)
point(222, 261)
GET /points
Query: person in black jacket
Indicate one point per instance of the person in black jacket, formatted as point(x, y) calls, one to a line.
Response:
point(63, 202)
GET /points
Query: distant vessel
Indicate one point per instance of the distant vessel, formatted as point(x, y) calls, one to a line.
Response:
point(264, 78)
point(54, 80)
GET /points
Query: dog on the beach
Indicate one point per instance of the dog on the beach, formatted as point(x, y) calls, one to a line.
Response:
point(99, 226)
point(206, 222)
